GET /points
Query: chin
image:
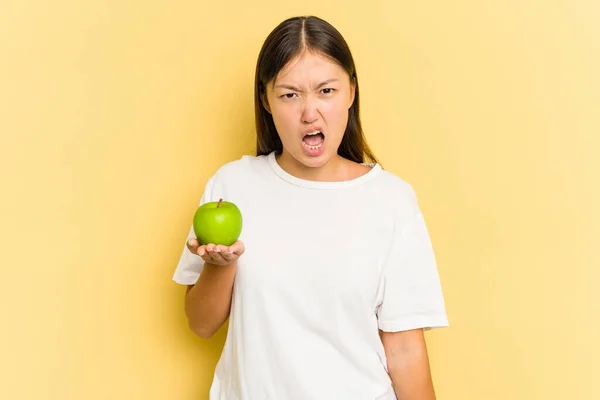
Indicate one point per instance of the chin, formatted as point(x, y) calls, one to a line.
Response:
point(313, 161)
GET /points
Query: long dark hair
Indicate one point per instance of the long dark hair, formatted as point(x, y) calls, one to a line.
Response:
point(285, 42)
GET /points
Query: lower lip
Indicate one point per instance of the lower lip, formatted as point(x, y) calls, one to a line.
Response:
point(313, 151)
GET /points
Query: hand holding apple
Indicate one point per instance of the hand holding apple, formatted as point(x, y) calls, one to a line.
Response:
point(217, 254)
point(217, 226)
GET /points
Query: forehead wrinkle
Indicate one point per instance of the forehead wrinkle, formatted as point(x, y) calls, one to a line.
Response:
point(300, 57)
point(292, 87)
point(294, 63)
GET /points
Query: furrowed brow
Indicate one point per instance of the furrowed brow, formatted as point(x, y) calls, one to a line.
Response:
point(327, 82)
point(294, 88)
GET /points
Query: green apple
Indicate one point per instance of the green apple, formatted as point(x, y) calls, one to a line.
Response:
point(218, 223)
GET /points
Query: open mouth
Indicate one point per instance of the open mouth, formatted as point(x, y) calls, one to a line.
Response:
point(313, 140)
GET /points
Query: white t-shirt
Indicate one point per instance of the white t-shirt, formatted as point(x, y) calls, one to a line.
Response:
point(326, 265)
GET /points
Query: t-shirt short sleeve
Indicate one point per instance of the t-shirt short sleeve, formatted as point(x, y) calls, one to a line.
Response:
point(411, 295)
point(190, 265)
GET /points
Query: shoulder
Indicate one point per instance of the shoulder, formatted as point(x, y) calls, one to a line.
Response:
point(396, 186)
point(238, 169)
point(242, 174)
point(385, 181)
point(395, 194)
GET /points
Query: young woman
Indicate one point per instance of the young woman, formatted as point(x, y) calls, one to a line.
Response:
point(334, 279)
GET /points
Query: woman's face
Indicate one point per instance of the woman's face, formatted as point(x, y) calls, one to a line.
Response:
point(309, 101)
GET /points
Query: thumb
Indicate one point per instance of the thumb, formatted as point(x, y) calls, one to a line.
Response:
point(192, 244)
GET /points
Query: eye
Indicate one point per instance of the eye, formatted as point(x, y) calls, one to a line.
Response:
point(288, 95)
point(328, 90)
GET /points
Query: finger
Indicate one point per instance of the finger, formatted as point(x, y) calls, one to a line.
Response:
point(214, 253)
point(229, 255)
point(221, 253)
point(221, 249)
point(237, 248)
point(192, 245)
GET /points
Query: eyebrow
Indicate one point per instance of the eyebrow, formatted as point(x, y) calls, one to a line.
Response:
point(291, 87)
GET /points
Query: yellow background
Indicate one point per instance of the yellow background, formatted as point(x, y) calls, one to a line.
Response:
point(114, 113)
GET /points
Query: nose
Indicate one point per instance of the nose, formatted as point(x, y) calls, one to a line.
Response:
point(310, 112)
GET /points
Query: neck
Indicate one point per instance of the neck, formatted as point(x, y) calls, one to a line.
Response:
point(333, 170)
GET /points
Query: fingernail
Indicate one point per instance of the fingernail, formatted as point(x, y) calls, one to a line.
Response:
point(190, 242)
point(230, 252)
point(218, 250)
point(201, 252)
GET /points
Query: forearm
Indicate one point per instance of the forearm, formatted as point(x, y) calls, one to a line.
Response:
point(208, 302)
point(409, 369)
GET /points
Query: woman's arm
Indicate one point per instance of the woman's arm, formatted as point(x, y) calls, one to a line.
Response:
point(408, 364)
point(208, 302)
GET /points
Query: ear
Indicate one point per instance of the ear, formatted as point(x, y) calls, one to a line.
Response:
point(265, 102)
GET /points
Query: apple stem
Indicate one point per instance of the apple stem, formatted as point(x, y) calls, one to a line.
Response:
point(219, 204)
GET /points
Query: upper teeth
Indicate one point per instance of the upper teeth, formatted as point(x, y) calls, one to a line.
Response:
point(313, 133)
